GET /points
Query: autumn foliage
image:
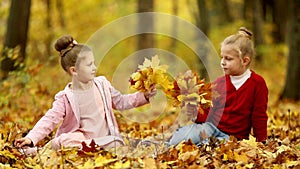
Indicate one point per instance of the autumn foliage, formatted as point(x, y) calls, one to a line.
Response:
point(281, 150)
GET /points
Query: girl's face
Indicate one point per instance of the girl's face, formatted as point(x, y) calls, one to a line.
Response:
point(231, 62)
point(86, 69)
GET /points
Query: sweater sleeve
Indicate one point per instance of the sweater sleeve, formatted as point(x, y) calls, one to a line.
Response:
point(125, 101)
point(202, 115)
point(259, 116)
point(49, 121)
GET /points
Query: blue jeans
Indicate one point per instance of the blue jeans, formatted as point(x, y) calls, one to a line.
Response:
point(195, 133)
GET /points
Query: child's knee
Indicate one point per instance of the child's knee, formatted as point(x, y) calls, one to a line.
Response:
point(185, 133)
point(68, 140)
point(113, 144)
point(55, 145)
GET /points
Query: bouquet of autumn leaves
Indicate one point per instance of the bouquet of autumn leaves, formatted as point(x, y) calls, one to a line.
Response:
point(185, 89)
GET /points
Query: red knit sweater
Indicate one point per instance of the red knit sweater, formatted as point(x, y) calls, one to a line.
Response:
point(235, 112)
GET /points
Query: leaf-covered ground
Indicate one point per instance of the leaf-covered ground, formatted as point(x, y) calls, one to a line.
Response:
point(25, 97)
point(282, 150)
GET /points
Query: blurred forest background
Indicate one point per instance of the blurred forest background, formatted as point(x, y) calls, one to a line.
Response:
point(30, 28)
point(31, 74)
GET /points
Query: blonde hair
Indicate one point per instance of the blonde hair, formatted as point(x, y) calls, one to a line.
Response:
point(243, 43)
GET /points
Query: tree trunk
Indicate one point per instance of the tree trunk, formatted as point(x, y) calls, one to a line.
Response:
point(203, 24)
point(257, 27)
point(174, 25)
point(203, 21)
point(16, 35)
point(60, 8)
point(279, 18)
point(145, 40)
point(226, 11)
point(50, 34)
point(292, 81)
point(265, 11)
point(223, 11)
point(247, 12)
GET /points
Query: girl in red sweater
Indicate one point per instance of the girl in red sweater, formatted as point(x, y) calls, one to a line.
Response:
point(243, 99)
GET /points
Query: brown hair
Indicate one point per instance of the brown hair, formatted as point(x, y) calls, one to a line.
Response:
point(69, 51)
point(242, 40)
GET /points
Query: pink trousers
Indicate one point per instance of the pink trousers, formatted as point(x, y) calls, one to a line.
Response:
point(75, 139)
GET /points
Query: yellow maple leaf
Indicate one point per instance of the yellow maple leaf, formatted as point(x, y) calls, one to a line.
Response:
point(252, 141)
point(88, 164)
point(121, 164)
point(225, 157)
point(150, 73)
point(153, 63)
point(136, 76)
point(102, 161)
point(149, 163)
point(241, 157)
point(189, 155)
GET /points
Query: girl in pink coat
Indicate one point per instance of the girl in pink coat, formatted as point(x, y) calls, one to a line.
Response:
point(85, 107)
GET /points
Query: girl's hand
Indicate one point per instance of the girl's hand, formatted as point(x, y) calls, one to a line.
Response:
point(23, 142)
point(150, 93)
point(191, 110)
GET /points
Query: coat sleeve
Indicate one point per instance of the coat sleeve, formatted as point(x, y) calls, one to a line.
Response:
point(49, 121)
point(259, 116)
point(125, 101)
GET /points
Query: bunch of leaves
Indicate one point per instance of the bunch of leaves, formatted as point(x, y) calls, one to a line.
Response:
point(149, 74)
point(193, 90)
point(187, 88)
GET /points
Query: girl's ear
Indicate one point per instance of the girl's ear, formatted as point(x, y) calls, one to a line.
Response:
point(246, 60)
point(72, 70)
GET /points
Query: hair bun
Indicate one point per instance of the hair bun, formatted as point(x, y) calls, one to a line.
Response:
point(245, 32)
point(63, 43)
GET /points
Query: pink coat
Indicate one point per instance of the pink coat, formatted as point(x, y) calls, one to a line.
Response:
point(65, 111)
